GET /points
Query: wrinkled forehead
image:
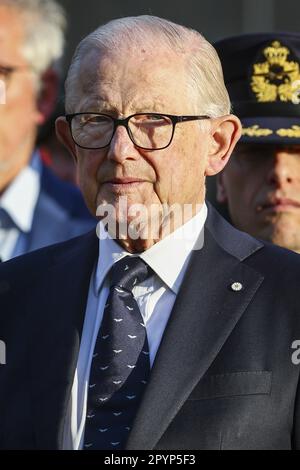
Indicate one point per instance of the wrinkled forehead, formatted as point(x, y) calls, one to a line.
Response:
point(95, 66)
point(141, 72)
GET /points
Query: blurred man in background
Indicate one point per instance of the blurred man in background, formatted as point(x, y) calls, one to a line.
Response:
point(261, 183)
point(36, 209)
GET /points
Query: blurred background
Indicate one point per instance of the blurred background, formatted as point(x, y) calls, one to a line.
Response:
point(213, 18)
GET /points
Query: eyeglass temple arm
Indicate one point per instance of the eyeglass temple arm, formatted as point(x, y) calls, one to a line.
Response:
point(190, 118)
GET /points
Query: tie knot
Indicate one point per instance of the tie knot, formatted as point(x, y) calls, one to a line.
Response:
point(129, 271)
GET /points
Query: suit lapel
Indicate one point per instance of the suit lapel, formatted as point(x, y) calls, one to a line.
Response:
point(205, 313)
point(58, 332)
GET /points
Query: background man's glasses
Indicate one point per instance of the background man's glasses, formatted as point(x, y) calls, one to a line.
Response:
point(7, 71)
point(151, 131)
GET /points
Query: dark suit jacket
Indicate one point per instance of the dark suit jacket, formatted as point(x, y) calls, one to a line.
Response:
point(60, 213)
point(223, 377)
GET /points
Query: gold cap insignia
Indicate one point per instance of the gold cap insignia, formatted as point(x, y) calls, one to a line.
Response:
point(273, 79)
point(256, 131)
point(291, 132)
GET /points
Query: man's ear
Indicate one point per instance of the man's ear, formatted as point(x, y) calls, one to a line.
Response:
point(63, 134)
point(48, 95)
point(221, 193)
point(225, 132)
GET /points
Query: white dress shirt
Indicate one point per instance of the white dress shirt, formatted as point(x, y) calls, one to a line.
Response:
point(155, 296)
point(17, 205)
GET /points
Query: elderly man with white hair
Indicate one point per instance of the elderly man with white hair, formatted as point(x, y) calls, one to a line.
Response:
point(171, 329)
point(36, 208)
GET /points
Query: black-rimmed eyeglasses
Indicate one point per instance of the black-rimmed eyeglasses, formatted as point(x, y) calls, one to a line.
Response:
point(148, 131)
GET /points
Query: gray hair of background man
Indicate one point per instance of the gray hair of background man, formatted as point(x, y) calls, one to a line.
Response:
point(45, 25)
point(124, 34)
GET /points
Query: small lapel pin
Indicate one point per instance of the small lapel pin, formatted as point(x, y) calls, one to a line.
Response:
point(236, 286)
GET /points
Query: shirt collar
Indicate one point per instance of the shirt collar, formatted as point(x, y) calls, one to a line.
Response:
point(168, 258)
point(20, 198)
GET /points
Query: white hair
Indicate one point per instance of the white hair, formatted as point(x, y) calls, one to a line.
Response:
point(44, 24)
point(203, 64)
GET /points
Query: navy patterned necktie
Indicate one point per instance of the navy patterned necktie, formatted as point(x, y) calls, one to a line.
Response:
point(120, 367)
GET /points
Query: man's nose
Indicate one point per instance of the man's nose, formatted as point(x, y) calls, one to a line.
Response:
point(280, 172)
point(121, 147)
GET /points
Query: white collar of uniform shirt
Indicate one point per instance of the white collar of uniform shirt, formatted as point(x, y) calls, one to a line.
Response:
point(20, 198)
point(168, 258)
